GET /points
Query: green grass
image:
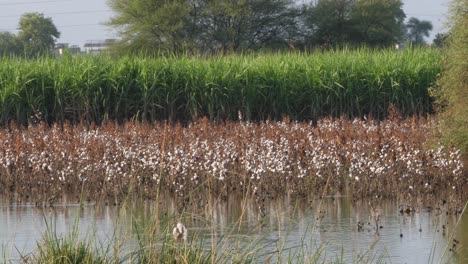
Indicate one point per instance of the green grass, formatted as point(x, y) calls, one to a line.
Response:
point(300, 85)
point(149, 240)
point(69, 249)
point(154, 244)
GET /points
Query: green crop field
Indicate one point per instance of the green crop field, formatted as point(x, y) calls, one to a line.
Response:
point(302, 86)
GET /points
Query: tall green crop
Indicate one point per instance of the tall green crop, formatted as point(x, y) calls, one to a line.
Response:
point(260, 86)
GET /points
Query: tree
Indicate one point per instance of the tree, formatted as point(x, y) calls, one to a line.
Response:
point(225, 24)
point(154, 25)
point(355, 22)
point(440, 40)
point(417, 30)
point(248, 25)
point(9, 44)
point(274, 24)
point(37, 34)
point(328, 22)
point(203, 25)
point(377, 22)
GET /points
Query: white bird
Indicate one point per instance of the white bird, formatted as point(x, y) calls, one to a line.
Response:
point(180, 233)
point(376, 212)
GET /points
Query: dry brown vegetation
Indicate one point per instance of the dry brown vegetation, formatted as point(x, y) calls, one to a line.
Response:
point(362, 158)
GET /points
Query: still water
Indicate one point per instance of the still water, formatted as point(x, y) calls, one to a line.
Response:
point(330, 226)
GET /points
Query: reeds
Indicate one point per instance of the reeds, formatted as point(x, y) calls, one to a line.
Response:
point(150, 240)
point(452, 94)
point(366, 158)
point(300, 85)
point(161, 248)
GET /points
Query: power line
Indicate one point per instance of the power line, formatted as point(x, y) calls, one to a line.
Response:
point(62, 13)
point(59, 27)
point(429, 15)
point(79, 25)
point(31, 3)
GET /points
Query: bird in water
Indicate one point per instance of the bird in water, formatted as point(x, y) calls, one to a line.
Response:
point(180, 233)
point(376, 212)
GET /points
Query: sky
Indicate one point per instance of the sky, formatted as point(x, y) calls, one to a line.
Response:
point(81, 21)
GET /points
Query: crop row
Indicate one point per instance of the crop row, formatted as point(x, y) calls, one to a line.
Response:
point(367, 158)
point(303, 86)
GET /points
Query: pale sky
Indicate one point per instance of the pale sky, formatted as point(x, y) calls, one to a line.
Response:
point(80, 21)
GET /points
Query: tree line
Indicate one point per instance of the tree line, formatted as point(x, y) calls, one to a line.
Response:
point(224, 26)
point(221, 26)
point(36, 37)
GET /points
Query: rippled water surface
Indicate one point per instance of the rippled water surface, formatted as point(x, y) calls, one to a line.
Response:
point(331, 226)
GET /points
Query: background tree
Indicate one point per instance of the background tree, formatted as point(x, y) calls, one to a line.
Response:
point(417, 30)
point(377, 22)
point(225, 24)
point(204, 25)
point(440, 40)
point(273, 24)
point(9, 44)
point(37, 34)
point(328, 22)
point(354, 22)
point(154, 25)
point(211, 26)
point(248, 25)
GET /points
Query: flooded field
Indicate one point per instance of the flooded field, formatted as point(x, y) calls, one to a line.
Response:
point(393, 158)
point(331, 229)
point(340, 190)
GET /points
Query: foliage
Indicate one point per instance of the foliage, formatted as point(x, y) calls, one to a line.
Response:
point(334, 23)
point(247, 25)
point(9, 44)
point(153, 25)
point(208, 26)
point(203, 25)
point(453, 93)
point(300, 85)
point(378, 22)
point(66, 252)
point(417, 30)
point(329, 22)
point(149, 242)
point(37, 34)
point(440, 40)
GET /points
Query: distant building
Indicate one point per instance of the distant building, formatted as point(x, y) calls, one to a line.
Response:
point(97, 46)
point(60, 49)
point(400, 46)
point(75, 49)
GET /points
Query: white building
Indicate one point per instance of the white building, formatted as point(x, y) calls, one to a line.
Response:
point(97, 46)
point(61, 48)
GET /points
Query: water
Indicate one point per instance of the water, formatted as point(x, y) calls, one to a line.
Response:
point(331, 226)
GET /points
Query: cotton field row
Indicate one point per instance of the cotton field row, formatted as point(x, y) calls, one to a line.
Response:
point(391, 158)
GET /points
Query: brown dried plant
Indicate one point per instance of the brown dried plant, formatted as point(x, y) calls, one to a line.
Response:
point(364, 158)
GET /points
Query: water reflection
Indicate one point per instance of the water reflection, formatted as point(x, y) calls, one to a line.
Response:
point(337, 225)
